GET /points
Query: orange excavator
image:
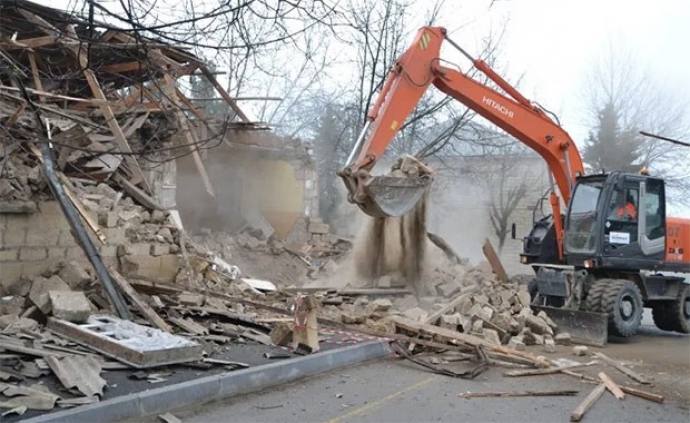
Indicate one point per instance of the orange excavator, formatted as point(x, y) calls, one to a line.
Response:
point(595, 267)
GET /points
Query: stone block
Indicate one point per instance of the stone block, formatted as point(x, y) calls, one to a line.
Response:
point(108, 250)
point(14, 237)
point(318, 228)
point(415, 313)
point(380, 305)
point(13, 304)
point(516, 343)
point(72, 306)
point(114, 236)
point(10, 254)
point(580, 350)
point(108, 219)
point(147, 266)
point(10, 272)
point(549, 346)
point(11, 323)
point(75, 275)
point(133, 250)
point(65, 239)
point(477, 326)
point(448, 289)
point(33, 253)
point(160, 249)
point(19, 286)
point(563, 339)
point(191, 299)
point(57, 252)
point(43, 237)
point(491, 335)
point(40, 289)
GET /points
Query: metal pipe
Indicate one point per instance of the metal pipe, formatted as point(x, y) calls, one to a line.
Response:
point(71, 214)
point(358, 144)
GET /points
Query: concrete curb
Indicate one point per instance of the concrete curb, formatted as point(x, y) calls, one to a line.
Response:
point(216, 387)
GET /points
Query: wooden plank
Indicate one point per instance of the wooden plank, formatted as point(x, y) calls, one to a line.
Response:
point(628, 390)
point(123, 67)
point(28, 43)
point(36, 76)
point(447, 335)
point(233, 105)
point(494, 261)
point(136, 193)
point(140, 304)
point(611, 386)
point(540, 372)
point(621, 368)
point(74, 198)
point(517, 394)
point(588, 402)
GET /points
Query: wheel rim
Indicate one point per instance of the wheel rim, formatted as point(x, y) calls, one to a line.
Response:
point(627, 308)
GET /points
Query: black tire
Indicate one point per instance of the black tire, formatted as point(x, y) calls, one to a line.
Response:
point(595, 294)
point(674, 315)
point(622, 301)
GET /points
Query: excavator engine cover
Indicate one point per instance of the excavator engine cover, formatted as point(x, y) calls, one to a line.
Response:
point(396, 193)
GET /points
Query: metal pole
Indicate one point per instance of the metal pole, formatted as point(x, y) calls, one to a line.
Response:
point(358, 144)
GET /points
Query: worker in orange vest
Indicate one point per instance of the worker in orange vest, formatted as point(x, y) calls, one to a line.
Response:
point(628, 210)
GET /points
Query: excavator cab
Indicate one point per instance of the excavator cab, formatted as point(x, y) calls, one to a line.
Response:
point(617, 221)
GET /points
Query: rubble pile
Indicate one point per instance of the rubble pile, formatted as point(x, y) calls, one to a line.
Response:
point(468, 299)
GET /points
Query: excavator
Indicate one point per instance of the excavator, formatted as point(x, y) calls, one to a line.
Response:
point(606, 250)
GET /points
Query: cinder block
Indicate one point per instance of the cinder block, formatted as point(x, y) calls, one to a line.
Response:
point(9, 254)
point(75, 253)
point(108, 219)
point(72, 306)
point(22, 221)
point(65, 239)
point(14, 237)
point(115, 236)
point(42, 237)
point(160, 249)
point(10, 272)
point(50, 216)
point(33, 268)
point(33, 253)
point(57, 252)
point(108, 250)
point(133, 249)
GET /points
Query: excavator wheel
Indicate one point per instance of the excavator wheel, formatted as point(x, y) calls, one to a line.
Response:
point(622, 301)
point(674, 316)
point(595, 293)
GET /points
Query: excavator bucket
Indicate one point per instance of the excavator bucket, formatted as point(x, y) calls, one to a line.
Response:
point(584, 327)
point(397, 193)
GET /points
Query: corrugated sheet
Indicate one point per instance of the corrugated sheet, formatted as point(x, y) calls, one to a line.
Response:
point(80, 372)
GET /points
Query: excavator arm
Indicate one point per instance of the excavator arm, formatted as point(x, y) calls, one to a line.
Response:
point(418, 68)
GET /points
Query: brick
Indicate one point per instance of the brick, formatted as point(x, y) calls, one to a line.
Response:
point(65, 239)
point(75, 275)
point(57, 252)
point(74, 253)
point(133, 250)
point(9, 254)
point(40, 289)
point(108, 219)
point(33, 253)
point(50, 215)
point(115, 236)
point(108, 250)
point(72, 306)
point(147, 266)
point(3, 221)
point(42, 237)
point(32, 268)
point(10, 272)
point(318, 228)
point(22, 221)
point(160, 249)
point(14, 237)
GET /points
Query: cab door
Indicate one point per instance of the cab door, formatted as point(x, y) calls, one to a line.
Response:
point(652, 237)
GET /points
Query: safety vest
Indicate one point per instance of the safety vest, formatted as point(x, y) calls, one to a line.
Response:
point(628, 210)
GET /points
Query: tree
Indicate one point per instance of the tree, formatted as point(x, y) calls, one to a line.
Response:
point(611, 147)
point(622, 98)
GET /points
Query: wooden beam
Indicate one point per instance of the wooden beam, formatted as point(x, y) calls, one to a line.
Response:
point(41, 23)
point(140, 304)
point(494, 261)
point(628, 390)
point(123, 67)
point(191, 139)
point(28, 43)
point(233, 105)
point(136, 193)
point(109, 116)
point(611, 386)
point(621, 368)
point(587, 403)
point(34, 72)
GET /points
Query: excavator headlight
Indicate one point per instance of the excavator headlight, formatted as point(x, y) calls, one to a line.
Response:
point(524, 259)
point(589, 263)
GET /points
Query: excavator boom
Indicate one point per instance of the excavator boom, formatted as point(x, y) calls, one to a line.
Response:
point(417, 69)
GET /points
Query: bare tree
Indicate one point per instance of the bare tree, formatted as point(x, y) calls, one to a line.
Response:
point(622, 98)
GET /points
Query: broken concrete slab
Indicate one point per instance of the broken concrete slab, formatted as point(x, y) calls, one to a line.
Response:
point(72, 306)
point(78, 371)
point(40, 288)
point(563, 339)
point(74, 275)
point(133, 344)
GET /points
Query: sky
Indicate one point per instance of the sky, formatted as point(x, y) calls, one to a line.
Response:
point(550, 44)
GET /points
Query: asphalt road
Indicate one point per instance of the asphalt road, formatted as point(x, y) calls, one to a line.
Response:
point(392, 390)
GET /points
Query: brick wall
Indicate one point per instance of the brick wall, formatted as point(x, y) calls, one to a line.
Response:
point(32, 244)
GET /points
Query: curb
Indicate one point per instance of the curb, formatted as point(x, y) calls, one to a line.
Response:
point(216, 387)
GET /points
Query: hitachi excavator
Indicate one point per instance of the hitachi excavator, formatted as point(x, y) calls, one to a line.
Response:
point(598, 257)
